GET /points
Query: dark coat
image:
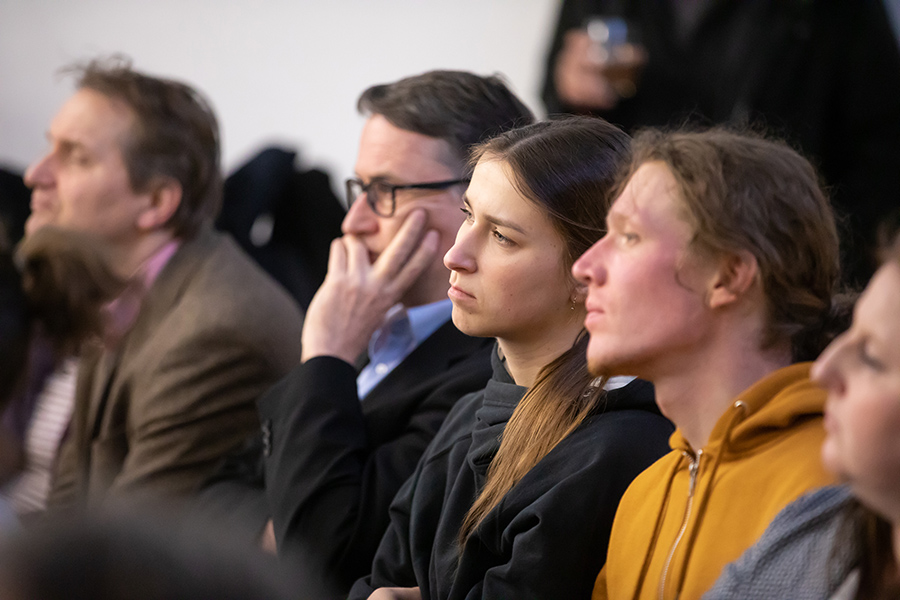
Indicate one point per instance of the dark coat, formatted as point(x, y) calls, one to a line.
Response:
point(333, 463)
point(547, 537)
point(823, 74)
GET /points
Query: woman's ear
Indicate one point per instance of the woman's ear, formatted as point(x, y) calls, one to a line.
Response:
point(165, 198)
point(734, 276)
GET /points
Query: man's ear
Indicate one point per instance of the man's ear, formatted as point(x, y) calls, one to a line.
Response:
point(165, 198)
point(735, 275)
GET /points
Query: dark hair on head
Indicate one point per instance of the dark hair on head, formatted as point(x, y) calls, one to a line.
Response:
point(743, 192)
point(67, 277)
point(461, 108)
point(174, 136)
point(866, 534)
point(567, 168)
point(57, 280)
point(889, 237)
point(15, 327)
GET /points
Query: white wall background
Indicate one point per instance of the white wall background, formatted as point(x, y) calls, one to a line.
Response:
point(276, 71)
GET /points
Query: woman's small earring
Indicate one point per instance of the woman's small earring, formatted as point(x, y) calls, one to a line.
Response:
point(574, 300)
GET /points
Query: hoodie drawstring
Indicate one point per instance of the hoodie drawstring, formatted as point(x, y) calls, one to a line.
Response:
point(740, 413)
point(656, 529)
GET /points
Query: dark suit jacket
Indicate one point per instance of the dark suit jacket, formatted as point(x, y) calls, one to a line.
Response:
point(333, 463)
point(154, 417)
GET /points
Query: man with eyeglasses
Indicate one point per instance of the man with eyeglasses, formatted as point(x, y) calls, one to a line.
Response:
point(337, 442)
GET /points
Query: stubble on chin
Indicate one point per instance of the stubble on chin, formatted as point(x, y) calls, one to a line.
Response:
point(596, 366)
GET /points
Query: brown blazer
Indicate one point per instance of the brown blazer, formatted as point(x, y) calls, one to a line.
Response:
point(153, 418)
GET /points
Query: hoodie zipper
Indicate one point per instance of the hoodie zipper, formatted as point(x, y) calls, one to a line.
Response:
point(693, 469)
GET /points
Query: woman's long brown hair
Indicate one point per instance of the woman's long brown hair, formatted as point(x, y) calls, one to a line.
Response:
point(566, 168)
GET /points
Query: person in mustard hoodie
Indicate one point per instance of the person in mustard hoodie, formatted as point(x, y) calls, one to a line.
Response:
point(715, 280)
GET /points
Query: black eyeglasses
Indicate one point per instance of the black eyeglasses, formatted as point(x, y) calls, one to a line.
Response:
point(382, 196)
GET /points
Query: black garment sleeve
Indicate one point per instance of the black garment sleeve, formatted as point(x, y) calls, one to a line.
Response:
point(555, 538)
point(329, 484)
point(393, 563)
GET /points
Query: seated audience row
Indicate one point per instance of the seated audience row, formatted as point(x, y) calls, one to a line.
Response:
point(545, 450)
point(575, 260)
point(715, 276)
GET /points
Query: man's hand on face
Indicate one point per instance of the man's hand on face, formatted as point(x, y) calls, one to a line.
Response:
point(356, 295)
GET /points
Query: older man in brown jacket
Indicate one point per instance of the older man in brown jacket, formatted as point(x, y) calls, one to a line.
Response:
point(198, 333)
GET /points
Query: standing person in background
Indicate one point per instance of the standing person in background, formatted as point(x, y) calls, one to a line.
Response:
point(714, 282)
point(198, 333)
point(515, 497)
point(823, 75)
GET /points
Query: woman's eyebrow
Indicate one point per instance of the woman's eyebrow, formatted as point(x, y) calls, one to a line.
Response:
point(503, 223)
point(495, 220)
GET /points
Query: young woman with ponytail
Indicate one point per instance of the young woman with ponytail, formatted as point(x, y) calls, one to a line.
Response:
point(515, 496)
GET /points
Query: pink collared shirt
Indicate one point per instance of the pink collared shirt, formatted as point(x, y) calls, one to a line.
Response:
point(122, 312)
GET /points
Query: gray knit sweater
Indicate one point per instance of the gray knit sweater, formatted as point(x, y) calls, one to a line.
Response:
point(799, 557)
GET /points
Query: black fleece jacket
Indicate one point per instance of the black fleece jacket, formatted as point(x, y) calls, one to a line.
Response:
point(547, 537)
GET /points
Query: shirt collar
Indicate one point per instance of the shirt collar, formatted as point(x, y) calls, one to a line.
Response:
point(122, 311)
point(427, 318)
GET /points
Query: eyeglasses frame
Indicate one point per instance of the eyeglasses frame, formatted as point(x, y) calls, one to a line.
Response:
point(365, 187)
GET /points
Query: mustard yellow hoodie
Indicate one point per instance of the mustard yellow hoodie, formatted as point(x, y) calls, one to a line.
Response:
point(692, 512)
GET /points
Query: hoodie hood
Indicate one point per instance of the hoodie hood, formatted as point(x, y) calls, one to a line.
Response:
point(762, 412)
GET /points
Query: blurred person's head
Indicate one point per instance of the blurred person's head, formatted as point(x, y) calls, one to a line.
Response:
point(413, 154)
point(710, 226)
point(15, 324)
point(56, 282)
point(133, 159)
point(113, 559)
point(861, 372)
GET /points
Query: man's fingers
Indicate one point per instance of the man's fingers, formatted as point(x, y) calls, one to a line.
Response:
point(422, 257)
point(357, 255)
point(337, 256)
point(405, 242)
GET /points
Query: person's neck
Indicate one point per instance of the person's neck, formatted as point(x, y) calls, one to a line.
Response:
point(128, 258)
point(526, 357)
point(694, 389)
